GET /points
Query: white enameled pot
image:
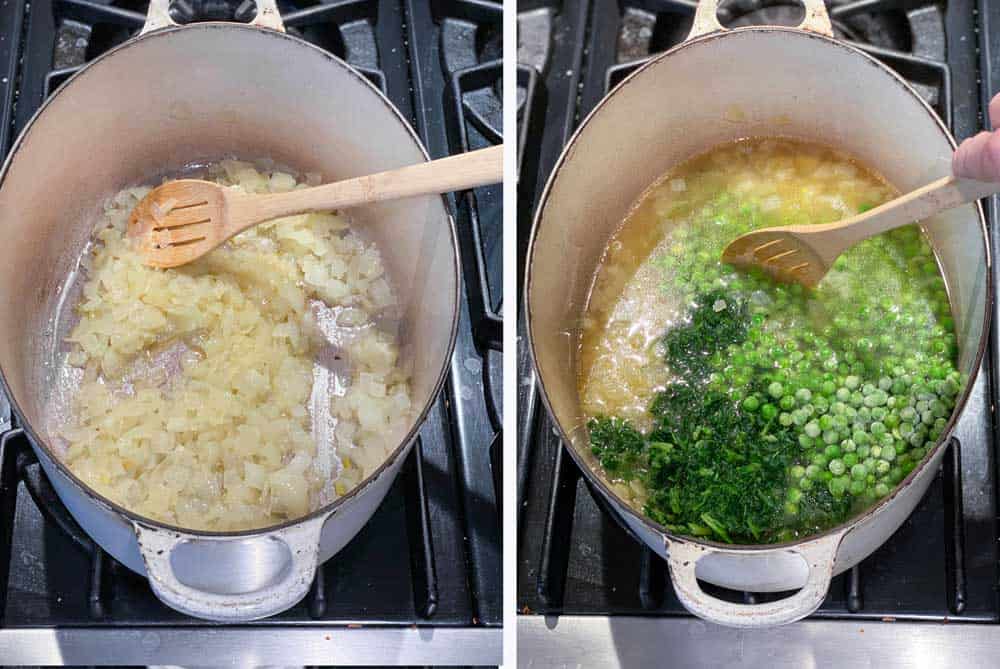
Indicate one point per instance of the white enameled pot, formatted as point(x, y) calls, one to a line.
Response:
point(172, 96)
point(718, 86)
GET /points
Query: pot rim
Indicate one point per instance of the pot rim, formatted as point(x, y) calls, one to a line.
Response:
point(411, 435)
point(589, 472)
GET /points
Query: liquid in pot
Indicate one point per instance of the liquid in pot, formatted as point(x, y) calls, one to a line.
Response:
point(244, 389)
point(729, 407)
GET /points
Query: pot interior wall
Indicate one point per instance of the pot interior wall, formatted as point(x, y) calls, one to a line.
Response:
point(746, 83)
point(203, 93)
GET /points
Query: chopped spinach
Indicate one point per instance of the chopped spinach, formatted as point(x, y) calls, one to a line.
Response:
point(712, 468)
point(618, 446)
point(717, 320)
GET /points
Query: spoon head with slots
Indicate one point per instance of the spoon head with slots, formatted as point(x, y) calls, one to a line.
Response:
point(783, 253)
point(178, 222)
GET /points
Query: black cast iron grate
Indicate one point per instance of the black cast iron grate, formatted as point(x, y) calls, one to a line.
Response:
point(575, 556)
point(431, 553)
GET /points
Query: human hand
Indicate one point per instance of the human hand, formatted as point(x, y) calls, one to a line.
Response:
point(978, 157)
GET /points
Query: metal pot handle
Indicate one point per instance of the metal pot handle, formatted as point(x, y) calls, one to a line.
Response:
point(706, 18)
point(290, 576)
point(819, 555)
point(158, 16)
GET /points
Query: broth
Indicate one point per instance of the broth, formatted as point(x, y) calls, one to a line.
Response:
point(727, 406)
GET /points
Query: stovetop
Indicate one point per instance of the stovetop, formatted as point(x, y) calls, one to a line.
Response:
point(576, 563)
point(430, 557)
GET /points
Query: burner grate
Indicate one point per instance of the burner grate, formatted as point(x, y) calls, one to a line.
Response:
point(449, 41)
point(473, 71)
point(575, 556)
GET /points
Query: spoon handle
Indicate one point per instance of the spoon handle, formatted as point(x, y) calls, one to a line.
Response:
point(467, 170)
point(926, 201)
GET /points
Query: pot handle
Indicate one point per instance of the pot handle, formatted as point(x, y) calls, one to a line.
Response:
point(706, 19)
point(819, 555)
point(158, 16)
point(285, 559)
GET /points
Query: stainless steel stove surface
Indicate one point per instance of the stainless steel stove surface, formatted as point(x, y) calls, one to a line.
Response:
point(587, 590)
point(421, 583)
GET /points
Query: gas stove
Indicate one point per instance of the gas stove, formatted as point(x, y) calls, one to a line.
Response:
point(588, 590)
point(421, 583)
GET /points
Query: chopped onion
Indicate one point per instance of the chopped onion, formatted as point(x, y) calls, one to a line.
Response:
point(224, 439)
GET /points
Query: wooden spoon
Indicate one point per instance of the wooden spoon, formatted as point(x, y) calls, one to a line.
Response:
point(192, 217)
point(805, 253)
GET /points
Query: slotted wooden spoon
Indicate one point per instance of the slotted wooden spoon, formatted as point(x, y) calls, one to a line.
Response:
point(805, 253)
point(192, 217)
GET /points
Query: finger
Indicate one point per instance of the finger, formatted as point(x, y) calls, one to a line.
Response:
point(967, 161)
point(995, 112)
point(979, 157)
